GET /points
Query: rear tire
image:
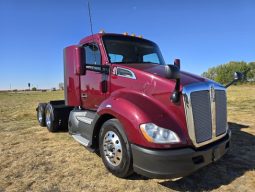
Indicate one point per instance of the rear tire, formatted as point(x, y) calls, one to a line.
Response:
point(51, 121)
point(115, 149)
point(41, 114)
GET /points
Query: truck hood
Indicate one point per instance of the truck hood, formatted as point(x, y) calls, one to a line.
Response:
point(159, 70)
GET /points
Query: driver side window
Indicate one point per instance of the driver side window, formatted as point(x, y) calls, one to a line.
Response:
point(93, 55)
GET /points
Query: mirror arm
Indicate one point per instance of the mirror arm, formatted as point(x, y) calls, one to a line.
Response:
point(173, 72)
point(175, 97)
point(234, 81)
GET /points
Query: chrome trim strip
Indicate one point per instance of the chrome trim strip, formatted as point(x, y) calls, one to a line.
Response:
point(213, 110)
point(125, 69)
point(186, 91)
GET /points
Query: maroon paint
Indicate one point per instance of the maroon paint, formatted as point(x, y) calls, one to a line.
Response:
point(134, 101)
point(72, 76)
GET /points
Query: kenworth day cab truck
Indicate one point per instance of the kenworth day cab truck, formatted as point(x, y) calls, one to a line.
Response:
point(141, 114)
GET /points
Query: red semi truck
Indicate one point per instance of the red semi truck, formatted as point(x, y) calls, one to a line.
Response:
point(141, 114)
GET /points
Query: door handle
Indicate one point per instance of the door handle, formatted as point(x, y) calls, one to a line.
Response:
point(84, 96)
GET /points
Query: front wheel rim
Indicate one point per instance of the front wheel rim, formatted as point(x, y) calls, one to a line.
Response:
point(112, 147)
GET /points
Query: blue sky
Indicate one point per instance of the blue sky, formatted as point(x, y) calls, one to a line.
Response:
point(202, 33)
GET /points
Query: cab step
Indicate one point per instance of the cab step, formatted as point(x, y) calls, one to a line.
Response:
point(81, 140)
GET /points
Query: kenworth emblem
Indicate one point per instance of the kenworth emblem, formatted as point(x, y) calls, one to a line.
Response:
point(212, 93)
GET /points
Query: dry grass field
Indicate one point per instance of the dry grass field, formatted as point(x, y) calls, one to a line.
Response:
point(32, 159)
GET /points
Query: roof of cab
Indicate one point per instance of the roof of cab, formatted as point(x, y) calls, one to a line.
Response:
point(99, 35)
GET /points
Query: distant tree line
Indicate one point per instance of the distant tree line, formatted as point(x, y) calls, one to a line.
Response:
point(224, 73)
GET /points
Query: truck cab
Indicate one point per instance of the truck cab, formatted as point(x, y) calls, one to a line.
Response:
point(141, 114)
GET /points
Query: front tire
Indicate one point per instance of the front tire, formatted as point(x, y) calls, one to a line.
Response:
point(115, 149)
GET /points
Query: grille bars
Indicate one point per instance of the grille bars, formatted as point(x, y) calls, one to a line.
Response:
point(217, 116)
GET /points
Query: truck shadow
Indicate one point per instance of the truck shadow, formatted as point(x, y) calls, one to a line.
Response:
point(240, 159)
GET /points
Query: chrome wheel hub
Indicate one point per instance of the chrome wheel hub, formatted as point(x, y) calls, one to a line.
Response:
point(112, 148)
point(47, 117)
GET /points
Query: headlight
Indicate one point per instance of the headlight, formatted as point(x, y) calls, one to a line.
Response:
point(156, 134)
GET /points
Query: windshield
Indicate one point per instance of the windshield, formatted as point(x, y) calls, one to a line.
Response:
point(127, 49)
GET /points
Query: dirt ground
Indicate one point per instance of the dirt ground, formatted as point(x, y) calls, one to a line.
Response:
point(32, 159)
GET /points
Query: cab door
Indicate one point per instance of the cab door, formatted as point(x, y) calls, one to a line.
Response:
point(92, 93)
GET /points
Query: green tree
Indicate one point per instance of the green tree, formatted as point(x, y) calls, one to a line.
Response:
point(251, 73)
point(224, 73)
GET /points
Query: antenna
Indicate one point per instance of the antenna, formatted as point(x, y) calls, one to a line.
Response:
point(90, 20)
point(91, 30)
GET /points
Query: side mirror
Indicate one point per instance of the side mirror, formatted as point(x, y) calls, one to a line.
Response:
point(237, 77)
point(78, 59)
point(177, 62)
point(172, 72)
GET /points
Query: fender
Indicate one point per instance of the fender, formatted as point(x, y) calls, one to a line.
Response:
point(133, 108)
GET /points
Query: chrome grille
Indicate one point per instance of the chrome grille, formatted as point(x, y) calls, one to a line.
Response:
point(201, 107)
point(221, 112)
point(206, 112)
